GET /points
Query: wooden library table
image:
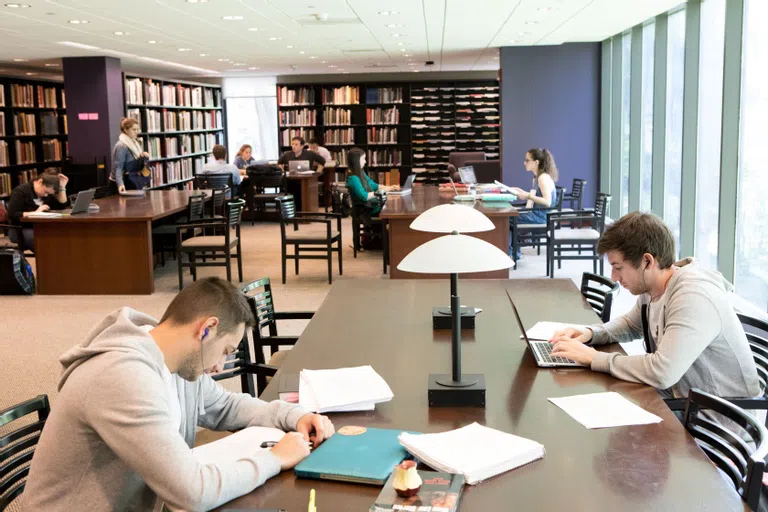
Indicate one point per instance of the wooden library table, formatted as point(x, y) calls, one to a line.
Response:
point(400, 211)
point(305, 189)
point(108, 252)
point(635, 468)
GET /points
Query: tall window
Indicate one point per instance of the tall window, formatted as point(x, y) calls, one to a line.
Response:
point(646, 113)
point(712, 47)
point(751, 278)
point(626, 75)
point(673, 160)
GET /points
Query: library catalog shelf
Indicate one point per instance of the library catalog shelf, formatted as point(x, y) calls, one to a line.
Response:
point(173, 107)
point(181, 132)
point(179, 157)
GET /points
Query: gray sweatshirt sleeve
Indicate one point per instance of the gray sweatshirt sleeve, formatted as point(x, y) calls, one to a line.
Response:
point(692, 322)
point(625, 328)
point(132, 418)
point(233, 411)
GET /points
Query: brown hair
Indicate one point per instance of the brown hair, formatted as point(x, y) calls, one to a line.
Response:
point(300, 139)
point(638, 233)
point(355, 169)
point(546, 162)
point(243, 148)
point(211, 296)
point(50, 179)
point(219, 152)
point(126, 123)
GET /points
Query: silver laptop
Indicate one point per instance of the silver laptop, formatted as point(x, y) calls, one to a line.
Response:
point(468, 175)
point(541, 350)
point(298, 166)
point(82, 202)
point(406, 188)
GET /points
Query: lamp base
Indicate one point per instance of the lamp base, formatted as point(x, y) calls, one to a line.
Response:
point(441, 318)
point(470, 392)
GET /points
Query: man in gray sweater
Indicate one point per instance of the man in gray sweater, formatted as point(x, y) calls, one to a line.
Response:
point(131, 398)
point(692, 334)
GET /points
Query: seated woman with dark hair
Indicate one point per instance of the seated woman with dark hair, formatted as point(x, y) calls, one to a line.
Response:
point(47, 192)
point(361, 187)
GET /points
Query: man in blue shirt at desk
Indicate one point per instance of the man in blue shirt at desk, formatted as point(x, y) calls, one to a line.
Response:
point(221, 166)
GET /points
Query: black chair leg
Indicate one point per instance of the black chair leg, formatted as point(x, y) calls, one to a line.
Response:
point(239, 262)
point(329, 252)
point(229, 265)
point(192, 262)
point(181, 269)
point(284, 260)
point(355, 237)
point(341, 270)
point(296, 251)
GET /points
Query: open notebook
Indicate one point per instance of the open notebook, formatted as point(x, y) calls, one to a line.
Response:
point(475, 451)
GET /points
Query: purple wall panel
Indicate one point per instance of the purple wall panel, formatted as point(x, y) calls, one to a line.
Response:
point(550, 97)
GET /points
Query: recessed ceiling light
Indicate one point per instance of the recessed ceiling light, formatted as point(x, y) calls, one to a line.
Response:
point(224, 60)
point(289, 46)
point(254, 68)
point(515, 41)
point(313, 57)
point(253, 29)
point(545, 9)
point(274, 38)
point(403, 50)
point(152, 41)
point(523, 33)
point(401, 43)
point(406, 55)
point(394, 25)
point(232, 18)
point(185, 49)
point(197, 1)
point(396, 35)
point(79, 22)
point(203, 55)
point(331, 66)
point(415, 70)
point(17, 6)
point(302, 53)
point(20, 60)
point(323, 62)
point(239, 64)
point(531, 22)
point(388, 13)
point(50, 65)
point(29, 73)
point(120, 33)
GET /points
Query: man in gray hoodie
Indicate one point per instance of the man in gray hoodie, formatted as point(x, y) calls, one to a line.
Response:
point(693, 337)
point(130, 399)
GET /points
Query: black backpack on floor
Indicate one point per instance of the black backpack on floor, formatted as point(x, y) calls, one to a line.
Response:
point(16, 276)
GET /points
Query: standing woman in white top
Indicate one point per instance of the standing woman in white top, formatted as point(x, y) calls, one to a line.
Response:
point(128, 159)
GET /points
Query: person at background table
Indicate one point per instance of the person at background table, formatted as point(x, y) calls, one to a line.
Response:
point(47, 192)
point(693, 338)
point(541, 163)
point(131, 397)
point(128, 159)
point(299, 152)
point(362, 189)
point(315, 147)
point(221, 166)
point(243, 158)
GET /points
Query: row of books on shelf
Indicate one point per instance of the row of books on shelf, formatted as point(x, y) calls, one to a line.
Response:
point(24, 124)
point(25, 153)
point(25, 176)
point(140, 91)
point(179, 146)
point(53, 150)
point(333, 116)
point(384, 95)
point(287, 134)
point(387, 178)
point(5, 160)
point(382, 115)
point(345, 95)
point(382, 135)
point(300, 96)
point(155, 120)
point(2, 95)
point(339, 136)
point(384, 157)
point(23, 95)
point(303, 117)
point(177, 170)
point(5, 182)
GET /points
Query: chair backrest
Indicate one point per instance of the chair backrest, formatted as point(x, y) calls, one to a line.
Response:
point(459, 158)
point(486, 171)
point(219, 197)
point(727, 449)
point(287, 207)
point(235, 212)
point(578, 187)
point(559, 193)
point(265, 178)
point(196, 208)
point(17, 446)
point(599, 292)
point(757, 337)
point(235, 366)
point(213, 181)
point(259, 294)
point(601, 208)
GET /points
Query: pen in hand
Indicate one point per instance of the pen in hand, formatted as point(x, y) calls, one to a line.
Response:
point(270, 444)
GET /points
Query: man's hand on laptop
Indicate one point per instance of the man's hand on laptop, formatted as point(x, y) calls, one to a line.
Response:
point(573, 350)
point(572, 334)
point(291, 450)
point(315, 428)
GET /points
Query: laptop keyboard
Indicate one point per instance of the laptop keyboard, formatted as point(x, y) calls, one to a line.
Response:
point(543, 352)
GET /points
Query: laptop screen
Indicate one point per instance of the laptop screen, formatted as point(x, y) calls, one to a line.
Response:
point(468, 175)
point(298, 165)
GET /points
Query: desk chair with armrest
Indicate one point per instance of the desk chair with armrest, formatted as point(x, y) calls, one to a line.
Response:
point(17, 446)
point(266, 185)
point(533, 235)
point(599, 292)
point(460, 158)
point(486, 171)
point(214, 181)
point(574, 198)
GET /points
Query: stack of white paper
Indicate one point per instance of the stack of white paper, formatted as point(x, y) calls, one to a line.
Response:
point(601, 410)
point(44, 215)
point(543, 331)
point(342, 390)
point(475, 451)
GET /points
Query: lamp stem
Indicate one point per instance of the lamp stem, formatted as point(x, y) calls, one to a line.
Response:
point(456, 330)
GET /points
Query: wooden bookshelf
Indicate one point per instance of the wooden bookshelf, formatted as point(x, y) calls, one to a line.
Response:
point(401, 125)
point(180, 123)
point(33, 130)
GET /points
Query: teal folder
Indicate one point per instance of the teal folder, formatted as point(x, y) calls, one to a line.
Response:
point(366, 458)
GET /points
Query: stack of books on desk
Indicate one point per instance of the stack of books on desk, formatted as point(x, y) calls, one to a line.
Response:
point(475, 451)
point(342, 390)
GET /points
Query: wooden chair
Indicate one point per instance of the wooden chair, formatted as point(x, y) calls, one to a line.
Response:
point(599, 292)
point(259, 195)
point(757, 337)
point(214, 181)
point(17, 446)
point(215, 246)
point(310, 240)
point(218, 199)
point(743, 465)
point(575, 196)
point(532, 235)
point(164, 235)
point(563, 236)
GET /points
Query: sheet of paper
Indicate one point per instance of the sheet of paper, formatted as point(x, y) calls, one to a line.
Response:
point(602, 410)
point(48, 215)
point(343, 389)
point(634, 348)
point(543, 331)
point(232, 447)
